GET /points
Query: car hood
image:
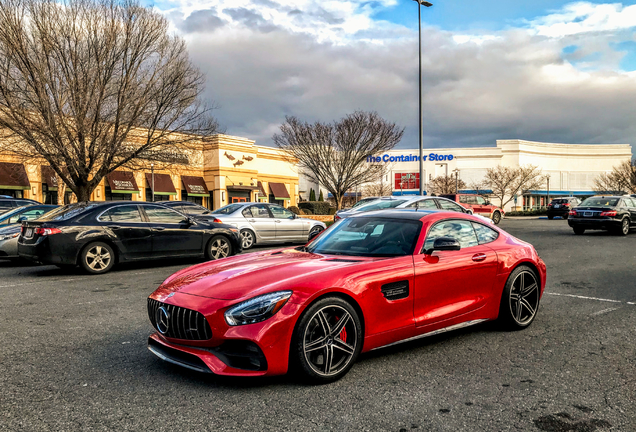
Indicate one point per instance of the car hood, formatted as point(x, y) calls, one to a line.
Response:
point(253, 274)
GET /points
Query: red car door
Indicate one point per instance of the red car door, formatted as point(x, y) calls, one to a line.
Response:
point(451, 284)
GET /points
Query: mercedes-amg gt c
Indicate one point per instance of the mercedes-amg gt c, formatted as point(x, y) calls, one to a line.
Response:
point(370, 281)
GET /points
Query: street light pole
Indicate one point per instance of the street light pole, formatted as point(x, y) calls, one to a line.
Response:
point(548, 180)
point(421, 3)
point(152, 186)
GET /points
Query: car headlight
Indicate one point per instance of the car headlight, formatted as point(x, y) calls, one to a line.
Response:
point(9, 236)
point(257, 309)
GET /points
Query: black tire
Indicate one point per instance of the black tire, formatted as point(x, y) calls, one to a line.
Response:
point(520, 299)
point(315, 229)
point(565, 216)
point(97, 258)
point(318, 336)
point(496, 218)
point(550, 217)
point(218, 247)
point(624, 229)
point(579, 231)
point(248, 239)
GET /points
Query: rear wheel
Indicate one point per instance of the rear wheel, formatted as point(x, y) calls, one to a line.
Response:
point(247, 239)
point(97, 258)
point(579, 231)
point(327, 340)
point(520, 299)
point(496, 217)
point(218, 247)
point(624, 229)
point(565, 216)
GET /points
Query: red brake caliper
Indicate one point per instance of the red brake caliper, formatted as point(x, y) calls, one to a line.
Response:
point(343, 333)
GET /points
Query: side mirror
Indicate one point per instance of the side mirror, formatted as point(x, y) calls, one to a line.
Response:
point(22, 218)
point(188, 221)
point(444, 244)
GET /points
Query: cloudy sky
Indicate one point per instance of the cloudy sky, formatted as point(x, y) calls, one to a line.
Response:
point(542, 70)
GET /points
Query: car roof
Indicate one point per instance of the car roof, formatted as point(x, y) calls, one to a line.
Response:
point(404, 213)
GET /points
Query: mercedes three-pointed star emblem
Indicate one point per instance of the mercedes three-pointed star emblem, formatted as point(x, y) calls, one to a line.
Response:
point(163, 320)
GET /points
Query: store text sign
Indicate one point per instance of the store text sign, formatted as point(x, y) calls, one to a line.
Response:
point(409, 158)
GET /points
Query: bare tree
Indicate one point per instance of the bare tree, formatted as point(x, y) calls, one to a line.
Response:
point(506, 182)
point(93, 85)
point(445, 184)
point(335, 154)
point(621, 180)
point(377, 188)
point(479, 186)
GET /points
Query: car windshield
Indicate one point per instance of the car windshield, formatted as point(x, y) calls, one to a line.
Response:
point(364, 202)
point(600, 202)
point(67, 212)
point(366, 236)
point(559, 201)
point(228, 209)
point(380, 205)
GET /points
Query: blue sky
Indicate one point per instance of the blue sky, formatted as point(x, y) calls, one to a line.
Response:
point(541, 70)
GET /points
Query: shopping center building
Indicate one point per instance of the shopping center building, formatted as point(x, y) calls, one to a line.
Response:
point(571, 168)
point(223, 170)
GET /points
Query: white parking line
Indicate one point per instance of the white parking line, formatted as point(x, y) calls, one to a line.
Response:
point(587, 298)
point(604, 311)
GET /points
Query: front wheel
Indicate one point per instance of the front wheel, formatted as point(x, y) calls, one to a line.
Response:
point(218, 247)
point(327, 340)
point(520, 299)
point(314, 232)
point(496, 217)
point(97, 258)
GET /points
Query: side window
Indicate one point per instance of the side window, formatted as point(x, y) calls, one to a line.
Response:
point(163, 215)
point(462, 231)
point(464, 199)
point(449, 205)
point(281, 213)
point(260, 211)
point(480, 200)
point(424, 204)
point(194, 209)
point(121, 214)
point(629, 202)
point(485, 234)
point(247, 212)
point(27, 215)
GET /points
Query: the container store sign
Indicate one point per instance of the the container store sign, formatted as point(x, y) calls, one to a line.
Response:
point(405, 181)
point(409, 158)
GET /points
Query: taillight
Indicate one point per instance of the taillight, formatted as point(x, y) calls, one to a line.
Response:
point(336, 217)
point(550, 205)
point(566, 205)
point(572, 212)
point(217, 220)
point(609, 213)
point(47, 231)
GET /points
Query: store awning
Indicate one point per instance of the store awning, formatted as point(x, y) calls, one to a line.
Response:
point(279, 191)
point(195, 186)
point(122, 182)
point(49, 178)
point(241, 188)
point(163, 184)
point(13, 176)
point(261, 190)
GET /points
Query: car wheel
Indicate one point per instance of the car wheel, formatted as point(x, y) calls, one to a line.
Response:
point(218, 247)
point(496, 217)
point(314, 232)
point(327, 340)
point(97, 258)
point(550, 217)
point(469, 211)
point(624, 229)
point(520, 299)
point(565, 216)
point(247, 239)
point(579, 231)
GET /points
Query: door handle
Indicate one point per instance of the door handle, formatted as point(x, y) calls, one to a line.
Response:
point(479, 257)
point(115, 227)
point(277, 221)
point(158, 228)
point(251, 220)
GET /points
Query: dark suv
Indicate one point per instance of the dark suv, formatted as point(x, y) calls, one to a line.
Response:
point(612, 213)
point(9, 203)
point(562, 206)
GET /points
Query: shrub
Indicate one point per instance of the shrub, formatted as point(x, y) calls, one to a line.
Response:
point(321, 197)
point(332, 210)
point(316, 207)
point(294, 209)
point(312, 195)
point(306, 211)
point(537, 212)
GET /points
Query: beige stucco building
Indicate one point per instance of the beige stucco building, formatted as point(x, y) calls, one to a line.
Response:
point(222, 170)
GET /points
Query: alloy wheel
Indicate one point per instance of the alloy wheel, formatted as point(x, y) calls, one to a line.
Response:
point(219, 248)
point(625, 226)
point(98, 258)
point(247, 239)
point(330, 340)
point(496, 218)
point(524, 298)
point(315, 230)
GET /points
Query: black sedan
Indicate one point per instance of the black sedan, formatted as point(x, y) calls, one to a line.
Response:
point(97, 235)
point(611, 213)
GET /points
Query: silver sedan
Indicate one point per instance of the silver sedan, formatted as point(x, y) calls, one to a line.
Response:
point(9, 241)
point(267, 223)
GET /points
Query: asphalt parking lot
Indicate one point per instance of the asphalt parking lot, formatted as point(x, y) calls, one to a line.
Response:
point(74, 357)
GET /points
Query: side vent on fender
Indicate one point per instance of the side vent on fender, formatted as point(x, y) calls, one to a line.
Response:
point(396, 290)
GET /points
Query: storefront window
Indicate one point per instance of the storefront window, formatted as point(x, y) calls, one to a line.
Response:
point(12, 193)
point(49, 196)
point(109, 196)
point(158, 197)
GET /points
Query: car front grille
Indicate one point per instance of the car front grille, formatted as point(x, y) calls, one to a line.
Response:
point(182, 323)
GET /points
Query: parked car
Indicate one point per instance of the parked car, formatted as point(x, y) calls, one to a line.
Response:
point(19, 214)
point(372, 280)
point(261, 223)
point(561, 207)
point(477, 204)
point(9, 203)
point(189, 208)
point(97, 235)
point(362, 202)
point(611, 213)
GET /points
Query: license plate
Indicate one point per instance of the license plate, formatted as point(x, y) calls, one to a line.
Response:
point(557, 205)
point(29, 233)
point(588, 214)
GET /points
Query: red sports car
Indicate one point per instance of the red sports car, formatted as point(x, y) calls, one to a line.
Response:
point(370, 281)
